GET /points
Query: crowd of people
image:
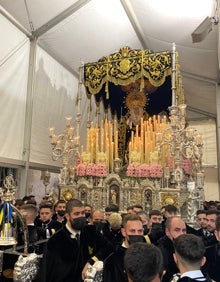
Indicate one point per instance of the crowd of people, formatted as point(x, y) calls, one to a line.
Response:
point(134, 246)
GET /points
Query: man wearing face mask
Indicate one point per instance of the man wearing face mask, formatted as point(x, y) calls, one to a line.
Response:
point(97, 219)
point(133, 232)
point(73, 248)
point(88, 212)
point(60, 211)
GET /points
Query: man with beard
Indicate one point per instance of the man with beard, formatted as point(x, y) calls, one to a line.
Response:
point(60, 210)
point(211, 216)
point(132, 231)
point(74, 248)
point(213, 251)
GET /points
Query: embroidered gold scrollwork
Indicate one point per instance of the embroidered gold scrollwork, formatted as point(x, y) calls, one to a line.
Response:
point(126, 66)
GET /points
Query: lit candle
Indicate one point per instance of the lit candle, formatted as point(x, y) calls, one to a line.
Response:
point(116, 144)
point(68, 121)
point(81, 149)
point(130, 148)
point(136, 130)
point(112, 148)
point(52, 131)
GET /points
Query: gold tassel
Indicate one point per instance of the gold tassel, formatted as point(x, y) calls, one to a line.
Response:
point(107, 90)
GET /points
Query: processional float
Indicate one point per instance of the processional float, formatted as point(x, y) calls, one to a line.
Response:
point(143, 151)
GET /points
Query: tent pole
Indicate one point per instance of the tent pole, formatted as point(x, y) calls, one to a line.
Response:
point(218, 132)
point(28, 117)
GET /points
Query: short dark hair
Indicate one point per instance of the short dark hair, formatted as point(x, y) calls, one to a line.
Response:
point(143, 262)
point(138, 206)
point(213, 211)
point(112, 208)
point(72, 204)
point(171, 208)
point(18, 202)
point(190, 248)
point(46, 206)
point(198, 212)
point(154, 212)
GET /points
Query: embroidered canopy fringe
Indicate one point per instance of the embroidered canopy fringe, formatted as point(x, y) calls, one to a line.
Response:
point(127, 66)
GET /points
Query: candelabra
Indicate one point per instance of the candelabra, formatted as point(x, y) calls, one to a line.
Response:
point(8, 190)
point(9, 216)
point(184, 145)
point(65, 146)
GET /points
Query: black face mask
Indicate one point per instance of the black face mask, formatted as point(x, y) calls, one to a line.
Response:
point(135, 239)
point(78, 223)
point(146, 229)
point(61, 213)
point(87, 214)
point(99, 225)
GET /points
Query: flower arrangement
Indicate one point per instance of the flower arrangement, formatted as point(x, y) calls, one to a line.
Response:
point(91, 169)
point(131, 170)
point(145, 170)
point(81, 169)
point(187, 166)
point(156, 171)
point(99, 170)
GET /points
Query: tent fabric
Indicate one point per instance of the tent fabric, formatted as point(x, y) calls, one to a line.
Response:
point(13, 89)
point(71, 32)
point(54, 98)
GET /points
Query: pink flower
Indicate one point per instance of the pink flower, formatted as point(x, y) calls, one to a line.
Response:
point(143, 170)
point(170, 163)
point(187, 166)
point(101, 170)
point(156, 171)
point(81, 170)
point(91, 169)
point(131, 170)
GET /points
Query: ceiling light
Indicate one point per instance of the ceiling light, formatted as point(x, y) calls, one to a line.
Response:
point(203, 29)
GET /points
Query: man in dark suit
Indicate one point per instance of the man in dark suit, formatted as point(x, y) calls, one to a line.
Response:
point(45, 224)
point(132, 231)
point(190, 257)
point(143, 262)
point(174, 227)
point(212, 265)
point(75, 247)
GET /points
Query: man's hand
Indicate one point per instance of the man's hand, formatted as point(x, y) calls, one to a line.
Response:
point(84, 270)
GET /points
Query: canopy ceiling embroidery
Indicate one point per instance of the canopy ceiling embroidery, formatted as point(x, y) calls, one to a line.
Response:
point(125, 67)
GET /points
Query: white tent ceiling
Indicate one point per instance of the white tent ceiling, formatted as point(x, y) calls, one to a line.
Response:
point(86, 30)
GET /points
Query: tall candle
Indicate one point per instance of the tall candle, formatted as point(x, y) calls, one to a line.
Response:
point(116, 144)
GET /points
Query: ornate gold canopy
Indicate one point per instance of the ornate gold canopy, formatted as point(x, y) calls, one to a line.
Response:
point(127, 66)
